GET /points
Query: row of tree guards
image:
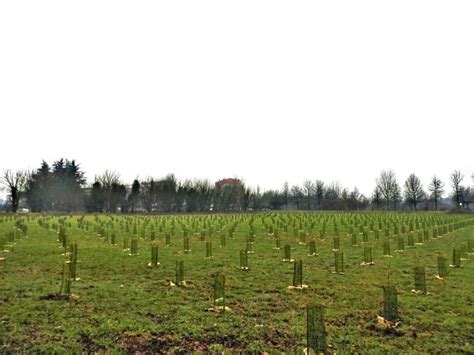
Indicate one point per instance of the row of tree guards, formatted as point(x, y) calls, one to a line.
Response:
point(459, 253)
point(316, 331)
point(315, 322)
point(390, 294)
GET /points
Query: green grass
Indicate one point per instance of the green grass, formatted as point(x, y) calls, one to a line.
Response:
point(124, 305)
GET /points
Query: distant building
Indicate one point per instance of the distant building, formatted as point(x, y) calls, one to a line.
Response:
point(228, 182)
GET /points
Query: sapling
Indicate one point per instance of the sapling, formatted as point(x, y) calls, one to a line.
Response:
point(186, 245)
point(368, 256)
point(180, 273)
point(302, 237)
point(396, 229)
point(287, 253)
point(315, 330)
point(251, 237)
point(411, 240)
point(322, 234)
point(113, 239)
point(249, 247)
point(400, 244)
point(456, 258)
point(223, 239)
point(208, 250)
point(365, 236)
point(335, 243)
point(470, 246)
point(61, 234)
point(420, 280)
point(277, 243)
point(377, 234)
point(219, 293)
point(312, 248)
point(154, 256)
point(65, 288)
point(442, 267)
point(125, 243)
point(354, 239)
point(420, 240)
point(168, 239)
point(390, 303)
point(298, 276)
point(244, 261)
point(425, 235)
point(338, 262)
point(134, 246)
point(3, 244)
point(73, 262)
point(65, 243)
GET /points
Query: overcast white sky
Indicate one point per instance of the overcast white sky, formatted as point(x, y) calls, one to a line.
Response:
point(265, 90)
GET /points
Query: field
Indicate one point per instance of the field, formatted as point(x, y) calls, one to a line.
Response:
point(120, 303)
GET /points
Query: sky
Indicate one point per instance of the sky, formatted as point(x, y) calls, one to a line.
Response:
point(268, 91)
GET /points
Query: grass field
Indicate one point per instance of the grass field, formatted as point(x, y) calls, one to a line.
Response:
point(121, 304)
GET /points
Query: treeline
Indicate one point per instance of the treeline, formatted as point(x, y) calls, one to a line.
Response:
point(62, 187)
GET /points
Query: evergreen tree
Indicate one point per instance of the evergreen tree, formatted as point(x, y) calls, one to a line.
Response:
point(96, 200)
point(38, 194)
point(134, 197)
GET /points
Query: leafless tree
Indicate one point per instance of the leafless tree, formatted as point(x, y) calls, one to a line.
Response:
point(14, 183)
point(414, 193)
point(286, 193)
point(297, 195)
point(436, 189)
point(377, 198)
point(388, 186)
point(319, 192)
point(456, 180)
point(308, 190)
point(108, 179)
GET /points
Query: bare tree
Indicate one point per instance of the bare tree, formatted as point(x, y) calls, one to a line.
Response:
point(14, 183)
point(308, 189)
point(319, 192)
point(286, 193)
point(297, 195)
point(377, 198)
point(396, 196)
point(414, 193)
point(456, 180)
point(333, 195)
point(436, 189)
point(467, 196)
point(388, 187)
point(108, 180)
point(149, 194)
